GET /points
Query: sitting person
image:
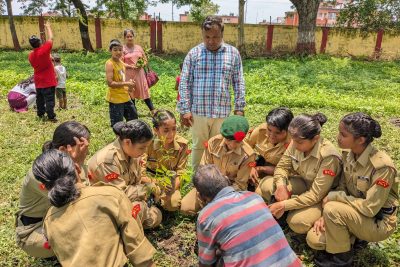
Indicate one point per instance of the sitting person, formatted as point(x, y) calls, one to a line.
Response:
point(22, 95)
point(269, 141)
point(88, 226)
point(73, 138)
point(366, 201)
point(167, 155)
point(236, 228)
point(232, 156)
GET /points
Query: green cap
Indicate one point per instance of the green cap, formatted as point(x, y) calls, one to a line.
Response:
point(235, 127)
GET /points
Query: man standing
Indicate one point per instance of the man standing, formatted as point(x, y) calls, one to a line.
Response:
point(208, 72)
point(44, 74)
point(237, 228)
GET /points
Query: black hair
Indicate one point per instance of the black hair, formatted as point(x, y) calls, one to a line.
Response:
point(162, 115)
point(280, 118)
point(129, 30)
point(208, 180)
point(114, 42)
point(26, 82)
point(212, 20)
point(64, 135)
point(56, 170)
point(180, 66)
point(135, 130)
point(307, 126)
point(57, 58)
point(362, 125)
point(35, 41)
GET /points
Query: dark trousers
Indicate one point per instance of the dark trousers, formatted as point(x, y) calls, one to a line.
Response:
point(45, 102)
point(148, 102)
point(120, 111)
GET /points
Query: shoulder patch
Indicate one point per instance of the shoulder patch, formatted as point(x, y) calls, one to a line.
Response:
point(252, 164)
point(111, 176)
point(382, 183)
point(329, 172)
point(46, 245)
point(42, 187)
point(188, 151)
point(135, 210)
point(286, 145)
point(205, 144)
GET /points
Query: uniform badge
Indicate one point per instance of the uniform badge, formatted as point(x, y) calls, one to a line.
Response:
point(142, 163)
point(286, 145)
point(188, 151)
point(90, 176)
point(252, 164)
point(205, 144)
point(112, 176)
point(46, 245)
point(382, 183)
point(328, 172)
point(135, 210)
point(42, 187)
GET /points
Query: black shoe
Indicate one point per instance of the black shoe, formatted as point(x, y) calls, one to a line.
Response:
point(325, 259)
point(360, 244)
point(322, 259)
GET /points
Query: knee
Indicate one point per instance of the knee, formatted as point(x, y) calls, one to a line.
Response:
point(331, 210)
point(187, 208)
point(299, 224)
point(265, 188)
point(316, 241)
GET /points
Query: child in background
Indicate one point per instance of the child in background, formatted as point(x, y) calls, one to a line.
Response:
point(178, 80)
point(61, 74)
point(22, 95)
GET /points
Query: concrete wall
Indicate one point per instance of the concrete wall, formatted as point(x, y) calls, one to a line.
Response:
point(178, 37)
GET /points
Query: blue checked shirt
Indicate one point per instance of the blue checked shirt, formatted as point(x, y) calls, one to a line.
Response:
point(205, 81)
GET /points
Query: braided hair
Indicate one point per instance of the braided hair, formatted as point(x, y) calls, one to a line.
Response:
point(362, 125)
point(162, 115)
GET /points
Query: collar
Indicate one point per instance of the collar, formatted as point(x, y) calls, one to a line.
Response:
point(364, 157)
point(222, 48)
point(316, 149)
point(157, 144)
point(225, 191)
point(237, 150)
point(118, 148)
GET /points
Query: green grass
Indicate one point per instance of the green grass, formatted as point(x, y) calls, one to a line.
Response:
point(334, 86)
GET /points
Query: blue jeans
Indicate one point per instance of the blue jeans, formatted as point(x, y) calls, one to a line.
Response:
point(120, 111)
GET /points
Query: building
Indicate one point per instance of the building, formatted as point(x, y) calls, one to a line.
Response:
point(225, 19)
point(327, 14)
point(145, 16)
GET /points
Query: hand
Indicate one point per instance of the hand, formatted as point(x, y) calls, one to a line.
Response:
point(281, 193)
point(79, 151)
point(238, 112)
point(269, 170)
point(324, 201)
point(131, 85)
point(187, 119)
point(47, 24)
point(132, 66)
point(254, 176)
point(277, 209)
point(319, 226)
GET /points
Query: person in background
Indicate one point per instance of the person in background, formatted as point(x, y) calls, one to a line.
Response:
point(236, 228)
point(61, 73)
point(44, 75)
point(22, 95)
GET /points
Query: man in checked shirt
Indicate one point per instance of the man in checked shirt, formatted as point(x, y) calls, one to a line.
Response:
point(208, 72)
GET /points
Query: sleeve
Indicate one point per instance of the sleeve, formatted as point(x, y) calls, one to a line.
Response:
point(207, 157)
point(185, 85)
point(46, 47)
point(251, 138)
point(137, 247)
point(243, 174)
point(330, 167)
point(284, 167)
point(342, 183)
point(207, 243)
point(35, 185)
point(238, 84)
point(143, 165)
point(376, 196)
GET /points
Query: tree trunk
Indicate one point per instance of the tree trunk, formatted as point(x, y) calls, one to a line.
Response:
point(241, 45)
point(17, 47)
point(121, 9)
point(83, 25)
point(308, 11)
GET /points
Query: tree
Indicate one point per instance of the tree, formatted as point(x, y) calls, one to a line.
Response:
point(17, 47)
point(371, 15)
point(308, 11)
point(63, 6)
point(201, 9)
point(124, 9)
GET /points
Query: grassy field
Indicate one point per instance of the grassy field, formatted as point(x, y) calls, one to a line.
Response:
point(334, 86)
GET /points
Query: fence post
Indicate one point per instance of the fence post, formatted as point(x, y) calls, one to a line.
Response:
point(378, 45)
point(153, 37)
point(159, 37)
point(41, 29)
point(270, 35)
point(324, 41)
point(97, 27)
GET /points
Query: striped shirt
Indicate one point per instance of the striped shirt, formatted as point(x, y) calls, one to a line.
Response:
point(205, 81)
point(241, 227)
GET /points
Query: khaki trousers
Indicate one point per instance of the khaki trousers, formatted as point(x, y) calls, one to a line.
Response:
point(150, 217)
point(202, 130)
point(342, 221)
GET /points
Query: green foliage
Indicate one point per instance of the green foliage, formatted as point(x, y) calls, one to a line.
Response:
point(199, 11)
point(371, 15)
point(334, 86)
point(125, 9)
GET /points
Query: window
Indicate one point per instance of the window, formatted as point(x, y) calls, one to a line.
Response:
point(332, 16)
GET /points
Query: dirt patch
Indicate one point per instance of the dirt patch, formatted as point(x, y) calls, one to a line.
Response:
point(395, 122)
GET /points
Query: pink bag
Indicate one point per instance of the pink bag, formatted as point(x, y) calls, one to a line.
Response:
point(151, 76)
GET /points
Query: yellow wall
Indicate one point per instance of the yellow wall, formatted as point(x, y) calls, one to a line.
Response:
point(180, 37)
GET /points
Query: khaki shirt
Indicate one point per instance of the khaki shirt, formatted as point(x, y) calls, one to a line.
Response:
point(319, 170)
point(235, 164)
point(101, 230)
point(174, 159)
point(110, 165)
point(258, 140)
point(33, 200)
point(368, 183)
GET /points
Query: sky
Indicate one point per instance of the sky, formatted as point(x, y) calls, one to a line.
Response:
point(256, 10)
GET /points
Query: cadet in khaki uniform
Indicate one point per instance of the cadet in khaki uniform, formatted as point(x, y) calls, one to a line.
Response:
point(269, 141)
point(366, 201)
point(120, 164)
point(232, 156)
point(167, 152)
point(317, 164)
point(71, 137)
point(89, 226)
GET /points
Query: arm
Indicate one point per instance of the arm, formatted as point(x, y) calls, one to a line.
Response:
point(110, 78)
point(251, 138)
point(49, 31)
point(185, 85)
point(207, 157)
point(283, 168)
point(243, 175)
point(376, 195)
point(238, 86)
point(328, 170)
point(206, 243)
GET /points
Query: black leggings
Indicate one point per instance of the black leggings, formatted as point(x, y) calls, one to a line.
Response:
point(148, 102)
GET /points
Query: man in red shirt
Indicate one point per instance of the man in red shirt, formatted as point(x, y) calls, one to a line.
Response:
point(44, 75)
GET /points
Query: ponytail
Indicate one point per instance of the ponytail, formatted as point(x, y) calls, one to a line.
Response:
point(362, 125)
point(307, 126)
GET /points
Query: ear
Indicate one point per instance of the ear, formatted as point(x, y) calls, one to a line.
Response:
point(361, 140)
point(316, 138)
point(62, 148)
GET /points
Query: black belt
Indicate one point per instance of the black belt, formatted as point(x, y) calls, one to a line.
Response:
point(388, 211)
point(29, 220)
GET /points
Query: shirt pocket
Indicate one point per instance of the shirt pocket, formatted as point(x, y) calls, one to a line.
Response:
point(363, 183)
point(232, 170)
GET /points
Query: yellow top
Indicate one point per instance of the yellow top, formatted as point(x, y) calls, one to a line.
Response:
point(117, 95)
